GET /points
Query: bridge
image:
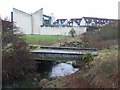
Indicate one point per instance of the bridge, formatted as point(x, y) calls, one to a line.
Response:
point(68, 48)
point(61, 53)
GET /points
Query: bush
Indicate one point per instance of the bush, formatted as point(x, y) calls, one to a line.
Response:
point(15, 54)
point(87, 58)
point(102, 38)
point(32, 47)
point(72, 32)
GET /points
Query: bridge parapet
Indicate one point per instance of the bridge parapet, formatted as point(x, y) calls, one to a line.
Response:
point(52, 54)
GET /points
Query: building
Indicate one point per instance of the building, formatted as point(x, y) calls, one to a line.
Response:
point(47, 20)
point(60, 22)
point(28, 23)
point(93, 21)
point(83, 22)
point(74, 22)
point(39, 23)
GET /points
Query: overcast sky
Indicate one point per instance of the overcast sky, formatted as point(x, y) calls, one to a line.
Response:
point(63, 8)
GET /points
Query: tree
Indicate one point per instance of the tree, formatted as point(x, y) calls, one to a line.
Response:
point(15, 54)
point(72, 32)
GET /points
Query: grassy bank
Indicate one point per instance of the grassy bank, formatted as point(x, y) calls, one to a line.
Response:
point(43, 39)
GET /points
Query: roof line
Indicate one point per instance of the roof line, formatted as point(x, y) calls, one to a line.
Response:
point(21, 11)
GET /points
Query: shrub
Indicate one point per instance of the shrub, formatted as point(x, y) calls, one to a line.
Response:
point(32, 47)
point(72, 32)
point(87, 58)
point(102, 38)
point(15, 54)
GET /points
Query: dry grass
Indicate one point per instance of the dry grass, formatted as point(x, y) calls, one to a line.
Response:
point(103, 73)
point(104, 70)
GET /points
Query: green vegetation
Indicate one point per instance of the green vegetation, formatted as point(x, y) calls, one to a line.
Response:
point(102, 37)
point(87, 58)
point(43, 39)
point(72, 32)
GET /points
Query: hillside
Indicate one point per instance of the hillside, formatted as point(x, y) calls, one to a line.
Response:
point(102, 73)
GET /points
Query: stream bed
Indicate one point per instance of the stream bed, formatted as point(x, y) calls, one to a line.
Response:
point(62, 69)
point(46, 70)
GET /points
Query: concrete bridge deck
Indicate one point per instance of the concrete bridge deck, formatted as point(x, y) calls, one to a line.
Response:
point(52, 54)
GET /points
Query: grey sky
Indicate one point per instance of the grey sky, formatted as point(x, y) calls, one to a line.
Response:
point(63, 8)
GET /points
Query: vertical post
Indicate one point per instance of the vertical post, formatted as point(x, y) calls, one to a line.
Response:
point(32, 23)
point(12, 20)
point(1, 54)
point(11, 16)
point(118, 38)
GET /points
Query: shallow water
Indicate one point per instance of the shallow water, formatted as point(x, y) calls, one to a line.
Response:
point(62, 69)
point(54, 70)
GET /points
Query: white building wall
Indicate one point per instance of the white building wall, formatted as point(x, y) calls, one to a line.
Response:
point(31, 24)
point(23, 21)
point(61, 30)
point(0, 28)
point(66, 22)
point(80, 30)
point(37, 21)
point(83, 22)
point(52, 18)
point(74, 23)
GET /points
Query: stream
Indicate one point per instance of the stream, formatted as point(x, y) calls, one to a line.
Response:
point(62, 69)
point(46, 70)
